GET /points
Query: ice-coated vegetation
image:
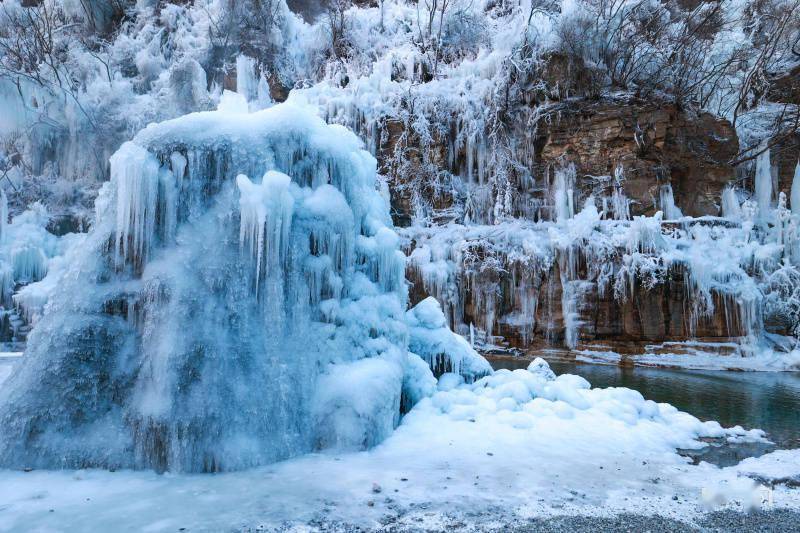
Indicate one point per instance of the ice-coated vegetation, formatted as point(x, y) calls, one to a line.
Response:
point(239, 300)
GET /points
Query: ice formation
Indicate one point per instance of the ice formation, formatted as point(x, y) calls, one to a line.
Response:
point(444, 351)
point(31, 261)
point(795, 191)
point(763, 185)
point(507, 272)
point(240, 299)
point(668, 207)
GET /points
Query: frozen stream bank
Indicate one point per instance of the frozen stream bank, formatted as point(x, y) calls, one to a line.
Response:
point(512, 446)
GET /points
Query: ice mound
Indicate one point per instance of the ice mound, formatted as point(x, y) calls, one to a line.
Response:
point(240, 300)
point(537, 399)
point(443, 350)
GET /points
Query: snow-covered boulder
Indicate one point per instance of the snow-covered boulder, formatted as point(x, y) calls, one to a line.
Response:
point(443, 350)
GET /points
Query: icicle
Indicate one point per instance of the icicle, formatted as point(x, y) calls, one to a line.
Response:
point(4, 214)
point(168, 201)
point(390, 263)
point(265, 221)
point(731, 209)
point(644, 234)
point(763, 185)
point(178, 165)
point(136, 174)
point(619, 201)
point(795, 192)
point(30, 264)
point(667, 200)
point(6, 283)
point(620, 204)
point(783, 215)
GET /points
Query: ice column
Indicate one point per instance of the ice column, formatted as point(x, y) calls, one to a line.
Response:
point(563, 193)
point(246, 79)
point(763, 184)
point(4, 213)
point(731, 209)
point(671, 211)
point(795, 199)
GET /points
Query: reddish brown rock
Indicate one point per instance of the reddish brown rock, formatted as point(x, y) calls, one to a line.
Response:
point(656, 144)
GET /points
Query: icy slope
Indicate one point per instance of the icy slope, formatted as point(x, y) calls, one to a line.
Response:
point(242, 279)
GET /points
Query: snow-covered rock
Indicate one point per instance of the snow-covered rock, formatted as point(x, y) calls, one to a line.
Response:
point(443, 350)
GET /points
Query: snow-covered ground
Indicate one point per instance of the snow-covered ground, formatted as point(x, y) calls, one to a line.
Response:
point(517, 444)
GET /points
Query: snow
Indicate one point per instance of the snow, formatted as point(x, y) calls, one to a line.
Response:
point(418, 381)
point(775, 467)
point(358, 404)
point(444, 351)
point(513, 444)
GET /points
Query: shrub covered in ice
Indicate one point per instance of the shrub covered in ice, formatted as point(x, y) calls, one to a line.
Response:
point(242, 279)
point(443, 350)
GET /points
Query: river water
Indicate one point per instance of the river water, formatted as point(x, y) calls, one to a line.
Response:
point(764, 400)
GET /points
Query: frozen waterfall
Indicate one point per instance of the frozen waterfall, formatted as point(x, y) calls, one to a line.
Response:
point(241, 281)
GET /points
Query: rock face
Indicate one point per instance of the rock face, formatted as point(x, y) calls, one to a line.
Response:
point(655, 144)
point(528, 306)
point(615, 145)
point(647, 144)
point(786, 88)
